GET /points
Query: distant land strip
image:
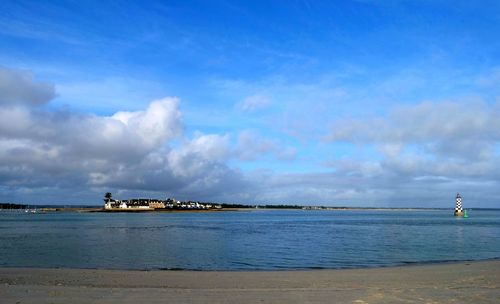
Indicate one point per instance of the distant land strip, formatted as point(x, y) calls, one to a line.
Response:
point(225, 206)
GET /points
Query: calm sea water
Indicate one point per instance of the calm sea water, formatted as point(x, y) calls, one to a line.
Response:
point(254, 240)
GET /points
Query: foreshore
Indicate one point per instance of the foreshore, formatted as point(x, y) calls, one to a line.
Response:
point(465, 282)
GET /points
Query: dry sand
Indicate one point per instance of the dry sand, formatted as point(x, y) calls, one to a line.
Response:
point(474, 282)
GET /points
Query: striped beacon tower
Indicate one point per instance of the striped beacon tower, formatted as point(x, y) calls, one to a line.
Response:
point(458, 206)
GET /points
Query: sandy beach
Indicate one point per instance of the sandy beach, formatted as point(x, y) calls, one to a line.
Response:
point(466, 282)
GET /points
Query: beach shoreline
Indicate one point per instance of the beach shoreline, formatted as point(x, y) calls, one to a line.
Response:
point(463, 282)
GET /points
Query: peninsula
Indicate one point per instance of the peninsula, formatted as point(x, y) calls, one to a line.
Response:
point(149, 204)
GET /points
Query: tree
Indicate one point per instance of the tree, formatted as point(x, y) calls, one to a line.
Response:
point(107, 196)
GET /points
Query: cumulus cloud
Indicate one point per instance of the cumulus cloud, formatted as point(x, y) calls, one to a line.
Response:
point(131, 152)
point(159, 122)
point(45, 151)
point(199, 154)
point(39, 144)
point(95, 137)
point(20, 87)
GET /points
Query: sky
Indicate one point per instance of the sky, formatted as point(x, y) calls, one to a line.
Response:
point(336, 103)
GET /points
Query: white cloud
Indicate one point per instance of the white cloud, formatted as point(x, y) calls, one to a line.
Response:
point(196, 156)
point(124, 135)
point(159, 122)
point(455, 129)
point(19, 87)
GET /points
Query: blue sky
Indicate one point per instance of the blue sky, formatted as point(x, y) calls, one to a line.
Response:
point(357, 103)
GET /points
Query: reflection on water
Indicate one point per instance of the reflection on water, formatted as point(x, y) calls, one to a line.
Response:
point(285, 239)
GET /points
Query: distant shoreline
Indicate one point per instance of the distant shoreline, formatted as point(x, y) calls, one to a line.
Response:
point(66, 208)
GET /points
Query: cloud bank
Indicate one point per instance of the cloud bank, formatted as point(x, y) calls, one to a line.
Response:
point(426, 150)
point(466, 130)
point(417, 155)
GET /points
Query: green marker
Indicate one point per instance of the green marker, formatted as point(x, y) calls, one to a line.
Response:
point(465, 213)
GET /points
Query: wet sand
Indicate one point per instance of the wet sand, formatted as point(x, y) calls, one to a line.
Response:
point(471, 282)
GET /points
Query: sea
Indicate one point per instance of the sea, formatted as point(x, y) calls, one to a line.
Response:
point(246, 240)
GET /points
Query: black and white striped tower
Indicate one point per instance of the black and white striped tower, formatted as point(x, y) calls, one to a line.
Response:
point(458, 206)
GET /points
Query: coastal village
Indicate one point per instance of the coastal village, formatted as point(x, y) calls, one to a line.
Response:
point(149, 204)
